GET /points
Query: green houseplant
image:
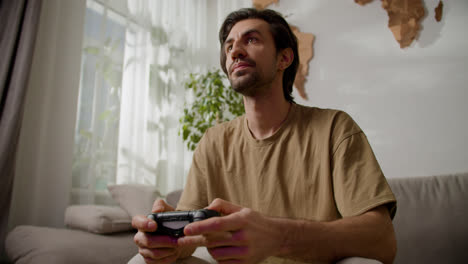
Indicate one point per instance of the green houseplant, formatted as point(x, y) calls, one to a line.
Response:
point(214, 102)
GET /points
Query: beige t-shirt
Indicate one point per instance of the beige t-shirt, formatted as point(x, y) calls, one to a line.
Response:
point(318, 166)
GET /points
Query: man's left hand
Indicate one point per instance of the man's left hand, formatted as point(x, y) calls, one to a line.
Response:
point(241, 235)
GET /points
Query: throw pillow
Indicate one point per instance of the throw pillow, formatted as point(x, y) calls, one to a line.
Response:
point(98, 219)
point(136, 199)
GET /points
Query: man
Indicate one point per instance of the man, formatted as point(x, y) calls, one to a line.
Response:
point(293, 183)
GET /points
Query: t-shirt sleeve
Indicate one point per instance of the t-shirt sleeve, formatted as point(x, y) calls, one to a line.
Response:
point(194, 195)
point(359, 184)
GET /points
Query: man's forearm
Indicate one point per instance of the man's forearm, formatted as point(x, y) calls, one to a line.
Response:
point(369, 235)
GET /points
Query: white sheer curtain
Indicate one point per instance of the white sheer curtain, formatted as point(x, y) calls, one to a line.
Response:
point(150, 150)
point(162, 42)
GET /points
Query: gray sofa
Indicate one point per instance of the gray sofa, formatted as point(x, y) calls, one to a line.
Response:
point(430, 225)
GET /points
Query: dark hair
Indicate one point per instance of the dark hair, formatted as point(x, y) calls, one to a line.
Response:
point(282, 35)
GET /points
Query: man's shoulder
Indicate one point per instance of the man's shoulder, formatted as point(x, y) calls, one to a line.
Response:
point(228, 126)
point(322, 115)
point(333, 123)
point(225, 130)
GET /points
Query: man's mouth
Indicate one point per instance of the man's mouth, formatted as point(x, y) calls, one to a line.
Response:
point(242, 65)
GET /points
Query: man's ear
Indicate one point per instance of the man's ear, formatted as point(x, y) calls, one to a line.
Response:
point(286, 57)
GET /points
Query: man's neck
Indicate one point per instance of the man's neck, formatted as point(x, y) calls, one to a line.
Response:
point(266, 114)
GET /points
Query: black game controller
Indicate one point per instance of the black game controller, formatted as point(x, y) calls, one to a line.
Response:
point(173, 223)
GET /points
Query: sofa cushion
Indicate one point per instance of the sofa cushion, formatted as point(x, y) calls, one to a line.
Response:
point(32, 244)
point(136, 199)
point(98, 219)
point(430, 222)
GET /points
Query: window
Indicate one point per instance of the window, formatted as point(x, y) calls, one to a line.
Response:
point(136, 56)
point(98, 115)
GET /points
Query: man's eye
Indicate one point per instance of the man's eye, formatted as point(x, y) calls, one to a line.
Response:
point(251, 40)
point(229, 48)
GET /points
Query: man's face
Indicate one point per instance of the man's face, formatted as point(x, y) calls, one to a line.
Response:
point(251, 57)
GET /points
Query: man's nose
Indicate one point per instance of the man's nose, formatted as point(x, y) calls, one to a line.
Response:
point(238, 51)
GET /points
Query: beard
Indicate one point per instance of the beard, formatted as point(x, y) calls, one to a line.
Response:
point(249, 82)
point(245, 83)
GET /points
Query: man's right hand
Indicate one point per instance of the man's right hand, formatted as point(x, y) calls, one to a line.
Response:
point(156, 248)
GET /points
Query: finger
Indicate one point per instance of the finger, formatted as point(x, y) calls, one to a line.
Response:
point(161, 206)
point(156, 254)
point(150, 259)
point(230, 261)
point(204, 240)
point(143, 223)
point(227, 223)
point(212, 239)
point(145, 240)
point(196, 241)
point(229, 253)
point(224, 207)
point(158, 241)
point(229, 239)
point(168, 260)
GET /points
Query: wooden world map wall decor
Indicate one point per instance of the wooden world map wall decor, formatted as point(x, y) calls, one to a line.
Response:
point(404, 18)
point(438, 11)
point(262, 4)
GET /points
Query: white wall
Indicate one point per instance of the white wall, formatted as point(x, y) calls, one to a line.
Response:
point(411, 103)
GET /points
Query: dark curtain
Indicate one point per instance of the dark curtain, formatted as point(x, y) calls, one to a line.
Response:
point(19, 21)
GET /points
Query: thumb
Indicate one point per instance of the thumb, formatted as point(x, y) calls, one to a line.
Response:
point(224, 207)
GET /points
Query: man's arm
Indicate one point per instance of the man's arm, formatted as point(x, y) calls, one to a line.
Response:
point(250, 237)
point(369, 235)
